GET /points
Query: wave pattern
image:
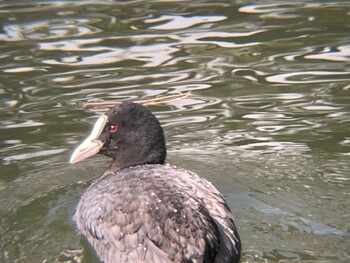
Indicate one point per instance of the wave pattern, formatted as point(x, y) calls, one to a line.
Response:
point(268, 120)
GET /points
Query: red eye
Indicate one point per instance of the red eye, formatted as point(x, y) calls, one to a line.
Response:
point(113, 128)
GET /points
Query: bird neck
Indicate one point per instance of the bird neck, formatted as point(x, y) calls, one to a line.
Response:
point(157, 156)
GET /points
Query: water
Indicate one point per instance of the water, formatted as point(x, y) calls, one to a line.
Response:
point(268, 120)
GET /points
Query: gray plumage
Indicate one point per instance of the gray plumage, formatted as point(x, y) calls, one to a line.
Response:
point(142, 210)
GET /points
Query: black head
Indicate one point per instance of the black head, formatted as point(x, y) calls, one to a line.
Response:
point(129, 133)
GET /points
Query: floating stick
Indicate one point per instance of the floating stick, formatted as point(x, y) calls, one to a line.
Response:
point(152, 101)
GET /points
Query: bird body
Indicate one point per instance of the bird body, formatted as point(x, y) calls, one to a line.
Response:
point(149, 211)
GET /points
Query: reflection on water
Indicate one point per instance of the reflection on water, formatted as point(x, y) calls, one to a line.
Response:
point(268, 121)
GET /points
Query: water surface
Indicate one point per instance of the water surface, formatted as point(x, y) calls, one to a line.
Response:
point(268, 120)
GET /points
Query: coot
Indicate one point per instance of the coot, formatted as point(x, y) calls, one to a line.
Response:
point(143, 210)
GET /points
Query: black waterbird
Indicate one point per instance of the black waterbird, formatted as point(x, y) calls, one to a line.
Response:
point(143, 210)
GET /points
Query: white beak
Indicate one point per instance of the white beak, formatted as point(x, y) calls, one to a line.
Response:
point(91, 145)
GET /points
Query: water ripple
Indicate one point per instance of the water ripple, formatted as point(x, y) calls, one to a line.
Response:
point(49, 29)
point(24, 156)
point(308, 77)
point(181, 22)
point(267, 121)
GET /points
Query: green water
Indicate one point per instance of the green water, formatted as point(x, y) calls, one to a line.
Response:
point(268, 121)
